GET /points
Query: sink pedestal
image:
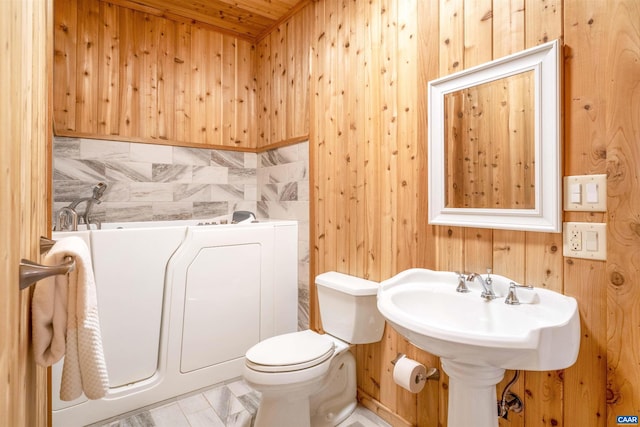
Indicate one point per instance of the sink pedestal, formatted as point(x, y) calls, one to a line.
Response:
point(472, 394)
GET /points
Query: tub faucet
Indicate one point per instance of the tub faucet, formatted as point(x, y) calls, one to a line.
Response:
point(487, 285)
point(67, 219)
point(84, 218)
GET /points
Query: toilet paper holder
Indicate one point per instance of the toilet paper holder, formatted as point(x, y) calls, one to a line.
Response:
point(432, 373)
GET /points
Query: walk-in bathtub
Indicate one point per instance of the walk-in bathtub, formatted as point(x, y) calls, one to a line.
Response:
point(179, 305)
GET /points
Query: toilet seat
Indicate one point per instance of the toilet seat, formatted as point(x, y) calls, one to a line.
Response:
point(290, 352)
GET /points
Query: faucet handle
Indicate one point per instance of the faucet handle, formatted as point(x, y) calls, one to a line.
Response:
point(489, 279)
point(462, 283)
point(512, 297)
point(67, 219)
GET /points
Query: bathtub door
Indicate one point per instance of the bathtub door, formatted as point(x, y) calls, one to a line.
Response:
point(130, 265)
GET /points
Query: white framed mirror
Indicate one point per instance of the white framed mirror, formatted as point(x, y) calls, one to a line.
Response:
point(494, 144)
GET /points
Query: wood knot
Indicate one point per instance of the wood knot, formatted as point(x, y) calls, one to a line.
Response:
point(612, 396)
point(617, 279)
point(488, 15)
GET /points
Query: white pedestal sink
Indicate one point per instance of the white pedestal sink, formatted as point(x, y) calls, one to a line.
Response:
point(478, 339)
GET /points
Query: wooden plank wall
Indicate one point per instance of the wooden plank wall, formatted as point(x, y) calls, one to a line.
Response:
point(282, 82)
point(25, 27)
point(368, 166)
point(605, 111)
point(370, 63)
point(130, 75)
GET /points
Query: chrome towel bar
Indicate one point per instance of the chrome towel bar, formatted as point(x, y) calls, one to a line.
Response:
point(46, 244)
point(31, 272)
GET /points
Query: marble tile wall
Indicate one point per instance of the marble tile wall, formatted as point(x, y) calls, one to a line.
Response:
point(283, 188)
point(149, 182)
point(153, 182)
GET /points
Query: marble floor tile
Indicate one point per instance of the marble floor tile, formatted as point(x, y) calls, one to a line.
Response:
point(362, 417)
point(140, 420)
point(239, 387)
point(223, 401)
point(232, 404)
point(239, 419)
point(193, 404)
point(169, 416)
point(205, 418)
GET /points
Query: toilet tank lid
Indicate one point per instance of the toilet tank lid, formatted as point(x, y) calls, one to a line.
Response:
point(351, 285)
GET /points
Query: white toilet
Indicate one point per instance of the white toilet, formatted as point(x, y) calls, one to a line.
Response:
point(309, 379)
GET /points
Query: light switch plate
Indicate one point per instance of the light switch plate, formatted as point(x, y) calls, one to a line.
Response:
point(585, 183)
point(585, 240)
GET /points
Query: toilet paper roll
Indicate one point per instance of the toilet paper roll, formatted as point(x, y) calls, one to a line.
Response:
point(409, 374)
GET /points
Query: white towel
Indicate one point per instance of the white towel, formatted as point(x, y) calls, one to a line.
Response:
point(67, 306)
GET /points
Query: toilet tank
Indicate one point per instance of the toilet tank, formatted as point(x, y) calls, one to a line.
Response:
point(348, 308)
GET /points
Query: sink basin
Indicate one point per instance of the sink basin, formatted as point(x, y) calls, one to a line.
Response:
point(542, 333)
point(478, 339)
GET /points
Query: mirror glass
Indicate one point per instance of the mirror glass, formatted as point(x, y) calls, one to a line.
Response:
point(494, 147)
point(489, 153)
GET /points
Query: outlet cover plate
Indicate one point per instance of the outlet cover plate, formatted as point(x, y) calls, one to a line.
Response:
point(585, 240)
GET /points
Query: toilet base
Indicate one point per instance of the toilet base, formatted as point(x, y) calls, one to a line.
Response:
point(336, 399)
point(283, 411)
point(326, 403)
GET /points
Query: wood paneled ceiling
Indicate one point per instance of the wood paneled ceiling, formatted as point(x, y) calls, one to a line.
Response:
point(249, 19)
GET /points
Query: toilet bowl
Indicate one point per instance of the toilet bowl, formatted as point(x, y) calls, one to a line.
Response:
point(307, 378)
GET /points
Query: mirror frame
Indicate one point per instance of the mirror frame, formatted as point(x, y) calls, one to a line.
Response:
point(545, 61)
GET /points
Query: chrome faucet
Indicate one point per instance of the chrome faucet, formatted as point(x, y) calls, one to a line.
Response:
point(69, 218)
point(487, 285)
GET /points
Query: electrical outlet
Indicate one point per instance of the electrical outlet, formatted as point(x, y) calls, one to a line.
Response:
point(575, 240)
point(585, 240)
